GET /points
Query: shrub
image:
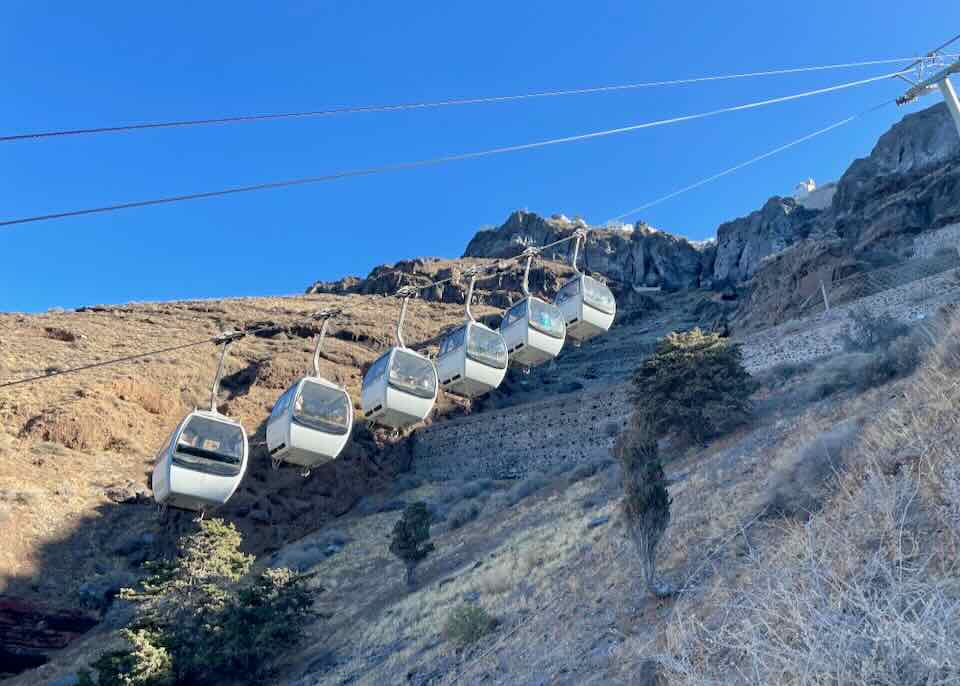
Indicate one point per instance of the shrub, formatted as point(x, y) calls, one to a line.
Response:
point(463, 514)
point(411, 539)
point(527, 487)
point(865, 370)
point(694, 384)
point(475, 488)
point(204, 619)
point(870, 331)
point(646, 503)
point(467, 624)
point(144, 663)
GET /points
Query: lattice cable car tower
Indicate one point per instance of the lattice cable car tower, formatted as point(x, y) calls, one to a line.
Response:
point(940, 79)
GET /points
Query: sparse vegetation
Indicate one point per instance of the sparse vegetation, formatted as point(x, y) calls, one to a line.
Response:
point(865, 591)
point(411, 539)
point(694, 384)
point(204, 619)
point(878, 350)
point(869, 331)
point(463, 514)
point(467, 624)
point(522, 489)
point(646, 503)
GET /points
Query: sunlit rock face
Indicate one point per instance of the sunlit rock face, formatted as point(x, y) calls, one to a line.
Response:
point(909, 183)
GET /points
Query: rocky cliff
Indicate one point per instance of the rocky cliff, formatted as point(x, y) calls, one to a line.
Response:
point(908, 184)
point(637, 256)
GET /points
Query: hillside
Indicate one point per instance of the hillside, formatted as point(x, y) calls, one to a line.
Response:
point(521, 484)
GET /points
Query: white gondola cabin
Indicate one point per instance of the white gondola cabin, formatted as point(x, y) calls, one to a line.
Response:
point(204, 459)
point(400, 388)
point(533, 330)
point(310, 423)
point(473, 358)
point(202, 463)
point(588, 306)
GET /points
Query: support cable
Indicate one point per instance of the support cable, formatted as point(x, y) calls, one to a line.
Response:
point(451, 102)
point(753, 160)
point(369, 171)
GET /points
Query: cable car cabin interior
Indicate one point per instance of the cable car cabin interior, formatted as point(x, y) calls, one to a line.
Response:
point(588, 307)
point(310, 423)
point(399, 389)
point(202, 462)
point(472, 360)
point(534, 332)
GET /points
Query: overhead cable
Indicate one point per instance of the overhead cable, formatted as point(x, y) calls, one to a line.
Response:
point(747, 163)
point(433, 104)
point(369, 171)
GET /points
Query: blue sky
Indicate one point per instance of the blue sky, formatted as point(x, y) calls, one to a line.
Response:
point(90, 64)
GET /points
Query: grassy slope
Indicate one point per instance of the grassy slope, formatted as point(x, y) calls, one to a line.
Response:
point(570, 608)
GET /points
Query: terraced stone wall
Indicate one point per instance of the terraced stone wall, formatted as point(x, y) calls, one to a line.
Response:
point(579, 427)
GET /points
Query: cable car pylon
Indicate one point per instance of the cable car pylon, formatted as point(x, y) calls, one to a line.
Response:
point(939, 80)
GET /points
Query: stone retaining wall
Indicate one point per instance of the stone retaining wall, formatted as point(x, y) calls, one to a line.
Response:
point(580, 426)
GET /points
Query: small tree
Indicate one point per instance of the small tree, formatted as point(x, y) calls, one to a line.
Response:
point(204, 618)
point(646, 503)
point(411, 539)
point(695, 384)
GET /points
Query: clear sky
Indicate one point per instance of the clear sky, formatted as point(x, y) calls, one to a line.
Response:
point(91, 64)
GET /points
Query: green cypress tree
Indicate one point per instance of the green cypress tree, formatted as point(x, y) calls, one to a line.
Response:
point(646, 502)
point(411, 539)
point(694, 384)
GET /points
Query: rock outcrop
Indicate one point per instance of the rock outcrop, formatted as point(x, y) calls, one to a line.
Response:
point(638, 256)
point(29, 632)
point(910, 183)
point(743, 243)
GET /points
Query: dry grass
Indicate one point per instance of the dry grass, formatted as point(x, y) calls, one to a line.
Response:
point(867, 590)
point(73, 438)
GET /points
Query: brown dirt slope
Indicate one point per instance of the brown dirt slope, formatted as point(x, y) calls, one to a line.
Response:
point(76, 450)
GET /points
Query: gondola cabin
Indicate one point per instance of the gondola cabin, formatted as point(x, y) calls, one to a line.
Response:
point(399, 389)
point(534, 332)
point(588, 307)
point(472, 360)
point(202, 462)
point(310, 423)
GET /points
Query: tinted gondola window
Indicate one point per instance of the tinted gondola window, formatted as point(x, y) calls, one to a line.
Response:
point(514, 314)
point(413, 374)
point(569, 291)
point(377, 369)
point(452, 342)
point(547, 318)
point(211, 446)
point(322, 407)
point(283, 402)
point(487, 347)
point(599, 296)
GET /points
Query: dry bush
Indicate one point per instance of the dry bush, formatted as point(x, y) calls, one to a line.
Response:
point(78, 426)
point(279, 372)
point(59, 334)
point(798, 490)
point(866, 591)
point(526, 488)
point(149, 396)
point(463, 514)
point(467, 624)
